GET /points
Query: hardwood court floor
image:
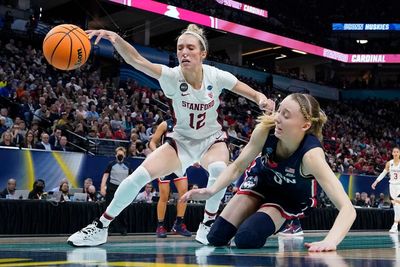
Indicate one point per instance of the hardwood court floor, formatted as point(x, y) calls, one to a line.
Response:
point(358, 249)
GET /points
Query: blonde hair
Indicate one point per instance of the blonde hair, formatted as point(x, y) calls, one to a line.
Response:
point(198, 32)
point(266, 121)
point(120, 148)
point(312, 112)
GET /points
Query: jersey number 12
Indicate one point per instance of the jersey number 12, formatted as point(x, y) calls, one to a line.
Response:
point(200, 120)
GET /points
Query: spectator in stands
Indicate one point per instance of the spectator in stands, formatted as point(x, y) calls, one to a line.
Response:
point(29, 140)
point(373, 201)
point(147, 194)
point(63, 145)
point(91, 194)
point(38, 190)
point(17, 135)
point(3, 126)
point(4, 113)
point(92, 114)
point(357, 200)
point(88, 182)
point(57, 188)
point(9, 191)
point(140, 147)
point(381, 201)
point(6, 139)
point(44, 144)
point(54, 139)
point(114, 174)
point(64, 189)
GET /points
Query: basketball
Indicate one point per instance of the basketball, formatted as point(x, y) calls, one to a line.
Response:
point(66, 47)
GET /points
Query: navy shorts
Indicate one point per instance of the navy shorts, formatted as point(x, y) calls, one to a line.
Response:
point(291, 202)
point(172, 177)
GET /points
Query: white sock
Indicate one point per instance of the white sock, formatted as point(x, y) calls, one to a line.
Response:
point(125, 194)
point(396, 209)
point(212, 204)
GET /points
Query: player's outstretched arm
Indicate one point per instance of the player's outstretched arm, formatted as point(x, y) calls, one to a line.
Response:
point(234, 170)
point(128, 52)
point(268, 105)
point(314, 163)
point(381, 176)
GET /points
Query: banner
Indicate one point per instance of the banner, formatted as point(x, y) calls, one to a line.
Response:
point(220, 24)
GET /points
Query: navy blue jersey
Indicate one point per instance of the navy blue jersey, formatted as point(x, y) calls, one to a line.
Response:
point(280, 182)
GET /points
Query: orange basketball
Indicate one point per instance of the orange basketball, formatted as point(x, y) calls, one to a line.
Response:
point(66, 47)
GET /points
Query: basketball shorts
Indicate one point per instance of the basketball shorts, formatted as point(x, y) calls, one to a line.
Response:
point(394, 190)
point(190, 150)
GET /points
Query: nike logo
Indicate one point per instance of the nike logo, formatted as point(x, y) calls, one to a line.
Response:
point(182, 94)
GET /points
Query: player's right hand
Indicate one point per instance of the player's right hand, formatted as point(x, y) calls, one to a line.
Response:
point(373, 185)
point(196, 194)
point(108, 35)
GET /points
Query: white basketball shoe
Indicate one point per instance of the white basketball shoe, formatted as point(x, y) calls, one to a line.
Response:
point(92, 235)
point(394, 228)
point(202, 232)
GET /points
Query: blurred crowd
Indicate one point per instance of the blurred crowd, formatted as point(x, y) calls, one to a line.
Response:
point(47, 109)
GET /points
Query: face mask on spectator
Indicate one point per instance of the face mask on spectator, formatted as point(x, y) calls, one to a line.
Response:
point(39, 188)
point(120, 157)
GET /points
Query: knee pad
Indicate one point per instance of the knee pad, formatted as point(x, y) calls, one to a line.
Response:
point(221, 232)
point(214, 170)
point(254, 231)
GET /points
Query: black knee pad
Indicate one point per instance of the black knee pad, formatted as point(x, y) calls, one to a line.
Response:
point(254, 231)
point(221, 232)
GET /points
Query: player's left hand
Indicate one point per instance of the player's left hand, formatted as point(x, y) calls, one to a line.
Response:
point(268, 105)
point(320, 246)
point(196, 194)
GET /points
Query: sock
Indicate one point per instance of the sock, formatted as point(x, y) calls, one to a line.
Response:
point(209, 216)
point(179, 220)
point(126, 193)
point(160, 223)
point(105, 219)
point(396, 209)
point(212, 204)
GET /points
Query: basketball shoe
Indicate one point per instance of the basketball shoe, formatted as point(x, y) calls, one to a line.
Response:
point(161, 232)
point(180, 229)
point(394, 228)
point(202, 232)
point(92, 235)
point(292, 230)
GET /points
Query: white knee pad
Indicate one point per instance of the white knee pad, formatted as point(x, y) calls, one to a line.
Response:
point(215, 169)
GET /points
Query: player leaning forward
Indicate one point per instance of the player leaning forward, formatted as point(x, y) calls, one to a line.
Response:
point(279, 182)
point(194, 89)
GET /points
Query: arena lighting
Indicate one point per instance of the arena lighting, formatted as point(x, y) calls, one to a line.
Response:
point(362, 41)
point(261, 50)
point(298, 51)
point(281, 56)
point(220, 24)
point(244, 7)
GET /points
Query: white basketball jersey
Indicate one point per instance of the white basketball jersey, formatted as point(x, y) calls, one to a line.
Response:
point(196, 110)
point(394, 172)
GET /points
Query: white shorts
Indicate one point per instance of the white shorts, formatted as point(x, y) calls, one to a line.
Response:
point(191, 150)
point(394, 190)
